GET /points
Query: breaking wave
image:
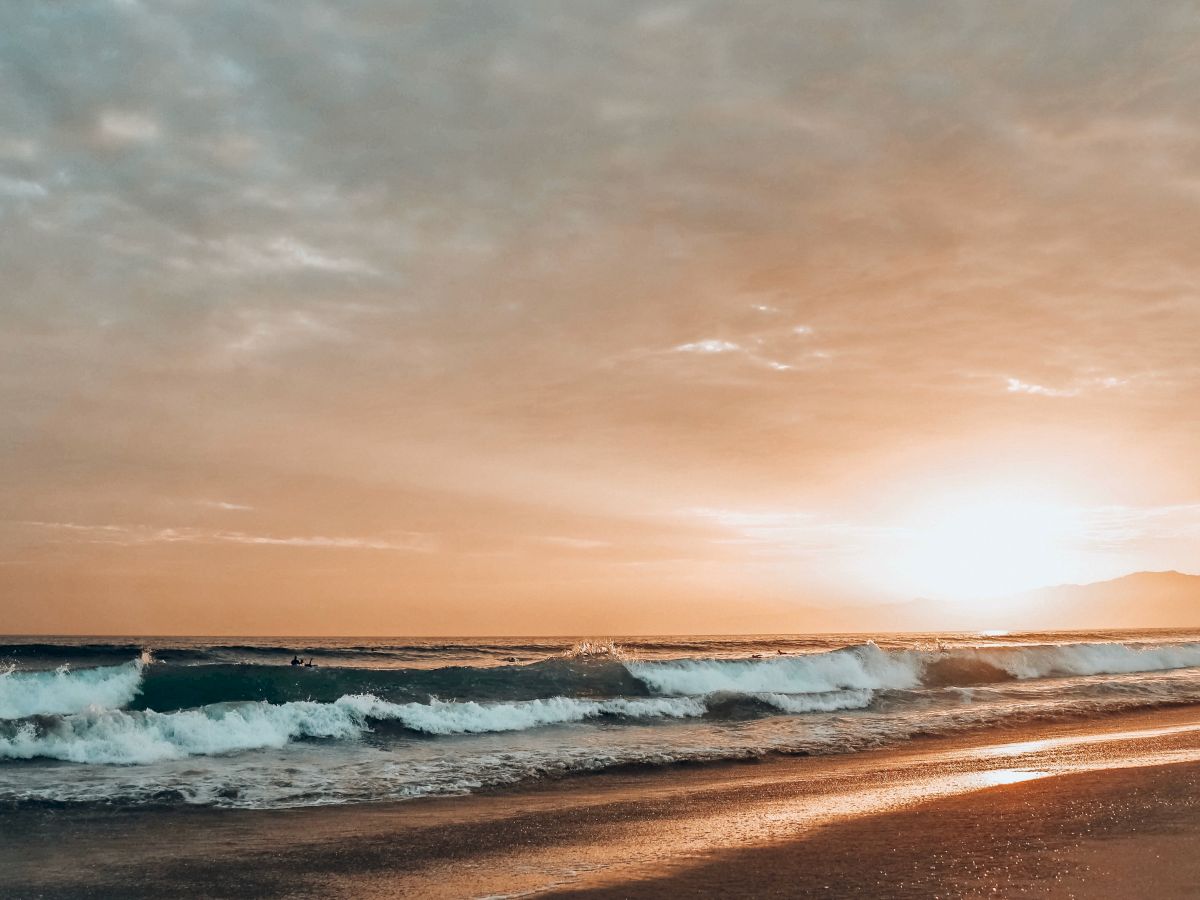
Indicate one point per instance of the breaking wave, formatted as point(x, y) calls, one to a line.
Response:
point(118, 736)
point(864, 667)
point(593, 675)
point(868, 667)
point(441, 717)
point(209, 722)
point(103, 714)
point(65, 691)
point(1059, 660)
point(144, 736)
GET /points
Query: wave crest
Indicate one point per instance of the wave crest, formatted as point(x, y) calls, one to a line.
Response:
point(869, 667)
point(444, 717)
point(862, 667)
point(117, 736)
point(65, 691)
point(144, 736)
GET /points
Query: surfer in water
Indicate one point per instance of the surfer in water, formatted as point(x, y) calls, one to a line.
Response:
point(295, 660)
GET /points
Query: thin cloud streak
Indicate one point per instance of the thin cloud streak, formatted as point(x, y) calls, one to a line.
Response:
point(709, 346)
point(127, 535)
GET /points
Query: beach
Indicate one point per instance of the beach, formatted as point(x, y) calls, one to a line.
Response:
point(1102, 807)
point(606, 450)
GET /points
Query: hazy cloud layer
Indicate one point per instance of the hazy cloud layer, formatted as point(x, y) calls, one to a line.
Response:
point(531, 278)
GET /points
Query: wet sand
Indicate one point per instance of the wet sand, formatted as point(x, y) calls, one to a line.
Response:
point(1105, 808)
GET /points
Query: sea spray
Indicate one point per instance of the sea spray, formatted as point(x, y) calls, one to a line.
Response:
point(596, 650)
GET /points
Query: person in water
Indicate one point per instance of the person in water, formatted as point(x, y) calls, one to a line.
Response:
point(295, 660)
point(310, 664)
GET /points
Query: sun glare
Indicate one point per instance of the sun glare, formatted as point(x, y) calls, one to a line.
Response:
point(967, 548)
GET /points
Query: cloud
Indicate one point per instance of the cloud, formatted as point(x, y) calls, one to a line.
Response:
point(21, 188)
point(412, 543)
point(1017, 386)
point(1078, 386)
point(574, 543)
point(123, 128)
point(1113, 526)
point(711, 345)
point(285, 254)
point(132, 535)
point(255, 334)
point(762, 358)
point(589, 259)
point(786, 533)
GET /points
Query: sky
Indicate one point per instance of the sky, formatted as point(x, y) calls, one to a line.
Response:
point(576, 318)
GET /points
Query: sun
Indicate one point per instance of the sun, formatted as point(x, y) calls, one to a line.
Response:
point(988, 544)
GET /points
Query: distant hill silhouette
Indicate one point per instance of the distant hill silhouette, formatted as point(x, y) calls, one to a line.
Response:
point(1142, 600)
point(1139, 600)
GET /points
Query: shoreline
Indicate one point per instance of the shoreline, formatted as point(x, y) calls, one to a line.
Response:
point(743, 827)
point(1110, 834)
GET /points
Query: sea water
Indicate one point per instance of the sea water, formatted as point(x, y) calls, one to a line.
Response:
point(231, 722)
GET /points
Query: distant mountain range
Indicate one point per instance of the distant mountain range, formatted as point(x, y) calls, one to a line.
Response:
point(1140, 600)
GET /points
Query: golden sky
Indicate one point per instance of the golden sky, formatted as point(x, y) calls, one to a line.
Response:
point(500, 317)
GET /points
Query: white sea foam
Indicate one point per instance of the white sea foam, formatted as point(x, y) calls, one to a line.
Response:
point(68, 691)
point(443, 717)
point(868, 667)
point(864, 667)
point(1090, 659)
point(807, 703)
point(117, 736)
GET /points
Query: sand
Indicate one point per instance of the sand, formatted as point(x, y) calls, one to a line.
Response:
point(1107, 808)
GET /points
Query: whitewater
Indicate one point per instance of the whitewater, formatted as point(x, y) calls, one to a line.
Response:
point(232, 723)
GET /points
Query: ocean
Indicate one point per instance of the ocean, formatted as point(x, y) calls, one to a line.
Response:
point(232, 723)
